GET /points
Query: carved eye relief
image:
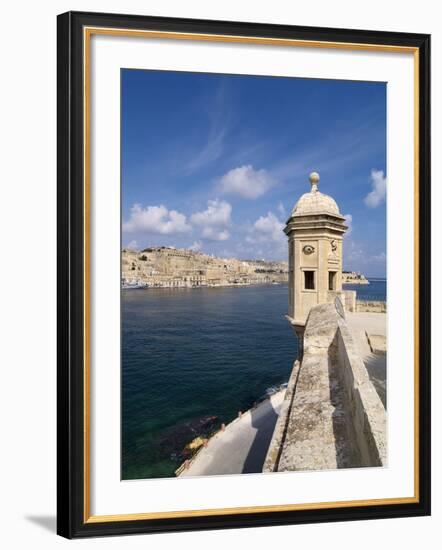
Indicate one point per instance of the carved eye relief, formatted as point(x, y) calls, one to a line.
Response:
point(308, 249)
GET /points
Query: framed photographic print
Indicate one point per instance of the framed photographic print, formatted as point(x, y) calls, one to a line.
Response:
point(243, 274)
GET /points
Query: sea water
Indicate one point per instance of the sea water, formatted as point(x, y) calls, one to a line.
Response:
point(193, 358)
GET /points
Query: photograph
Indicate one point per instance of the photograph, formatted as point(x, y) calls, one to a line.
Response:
point(253, 274)
point(226, 339)
point(243, 267)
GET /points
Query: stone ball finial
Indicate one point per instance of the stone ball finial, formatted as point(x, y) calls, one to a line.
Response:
point(314, 179)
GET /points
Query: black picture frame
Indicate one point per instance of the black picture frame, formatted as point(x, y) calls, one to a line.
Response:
point(72, 520)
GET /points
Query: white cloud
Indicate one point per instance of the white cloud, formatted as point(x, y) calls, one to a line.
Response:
point(349, 224)
point(281, 209)
point(379, 189)
point(214, 221)
point(266, 238)
point(196, 246)
point(216, 214)
point(214, 234)
point(267, 229)
point(133, 245)
point(246, 182)
point(156, 219)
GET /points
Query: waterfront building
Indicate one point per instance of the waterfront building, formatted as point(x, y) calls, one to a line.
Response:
point(167, 267)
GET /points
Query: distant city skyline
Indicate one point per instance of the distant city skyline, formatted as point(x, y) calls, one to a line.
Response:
point(216, 162)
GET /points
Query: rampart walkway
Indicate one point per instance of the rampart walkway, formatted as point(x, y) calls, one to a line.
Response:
point(366, 326)
point(243, 446)
point(335, 417)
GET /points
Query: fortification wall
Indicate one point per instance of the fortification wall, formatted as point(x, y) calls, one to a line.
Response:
point(333, 417)
point(273, 453)
point(367, 428)
point(371, 306)
point(166, 267)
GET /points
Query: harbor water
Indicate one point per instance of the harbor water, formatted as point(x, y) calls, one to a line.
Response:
point(193, 358)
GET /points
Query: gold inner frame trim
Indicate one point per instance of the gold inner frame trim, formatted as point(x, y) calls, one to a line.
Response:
point(87, 34)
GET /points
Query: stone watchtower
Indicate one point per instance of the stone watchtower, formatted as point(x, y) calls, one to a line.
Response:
point(315, 230)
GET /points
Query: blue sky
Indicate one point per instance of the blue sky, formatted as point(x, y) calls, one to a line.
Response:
point(216, 162)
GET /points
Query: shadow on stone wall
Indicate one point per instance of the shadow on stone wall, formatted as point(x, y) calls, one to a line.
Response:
point(376, 368)
point(347, 455)
point(254, 461)
point(355, 442)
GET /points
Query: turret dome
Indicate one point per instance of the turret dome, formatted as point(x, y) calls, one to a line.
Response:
point(315, 202)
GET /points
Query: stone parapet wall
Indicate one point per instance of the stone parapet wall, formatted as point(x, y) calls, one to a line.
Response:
point(272, 457)
point(364, 407)
point(371, 306)
point(349, 300)
point(333, 417)
point(347, 297)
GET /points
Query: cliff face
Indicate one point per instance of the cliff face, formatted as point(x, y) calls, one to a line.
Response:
point(172, 267)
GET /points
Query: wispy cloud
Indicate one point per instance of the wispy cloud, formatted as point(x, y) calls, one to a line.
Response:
point(218, 128)
point(250, 148)
point(379, 189)
point(211, 151)
point(337, 151)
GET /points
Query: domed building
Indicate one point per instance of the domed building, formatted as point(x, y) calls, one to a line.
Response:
point(315, 230)
point(315, 202)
